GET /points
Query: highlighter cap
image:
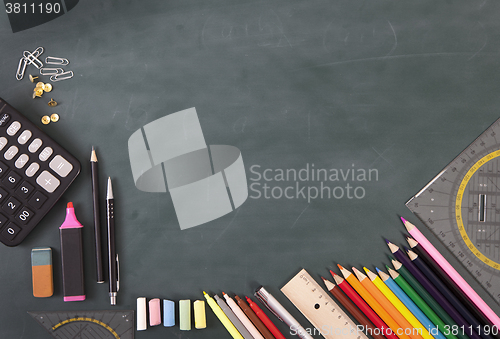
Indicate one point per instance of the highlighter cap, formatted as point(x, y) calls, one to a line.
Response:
point(71, 221)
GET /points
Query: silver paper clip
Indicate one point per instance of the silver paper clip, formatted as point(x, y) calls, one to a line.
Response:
point(21, 68)
point(32, 59)
point(38, 51)
point(62, 76)
point(51, 71)
point(56, 61)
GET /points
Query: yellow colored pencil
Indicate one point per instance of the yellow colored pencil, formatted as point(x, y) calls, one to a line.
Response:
point(397, 316)
point(405, 312)
point(222, 317)
point(374, 304)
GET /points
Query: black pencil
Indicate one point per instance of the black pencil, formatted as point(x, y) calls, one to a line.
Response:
point(422, 254)
point(97, 216)
point(434, 279)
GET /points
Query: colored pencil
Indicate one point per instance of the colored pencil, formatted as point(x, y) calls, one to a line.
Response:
point(412, 307)
point(374, 304)
point(423, 305)
point(386, 304)
point(462, 323)
point(433, 278)
point(451, 272)
point(363, 306)
point(415, 247)
point(394, 300)
point(353, 309)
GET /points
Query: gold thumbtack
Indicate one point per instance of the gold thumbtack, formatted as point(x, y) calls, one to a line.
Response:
point(38, 92)
point(54, 117)
point(32, 78)
point(52, 103)
point(45, 119)
point(47, 87)
point(39, 84)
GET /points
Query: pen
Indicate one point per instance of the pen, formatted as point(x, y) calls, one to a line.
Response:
point(97, 215)
point(253, 318)
point(278, 310)
point(263, 317)
point(238, 312)
point(114, 276)
point(233, 317)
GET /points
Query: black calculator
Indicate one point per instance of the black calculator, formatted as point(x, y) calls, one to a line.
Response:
point(35, 171)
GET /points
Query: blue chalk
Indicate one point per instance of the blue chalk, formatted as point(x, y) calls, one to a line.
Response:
point(168, 313)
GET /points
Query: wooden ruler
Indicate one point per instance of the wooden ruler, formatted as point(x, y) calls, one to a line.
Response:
point(319, 308)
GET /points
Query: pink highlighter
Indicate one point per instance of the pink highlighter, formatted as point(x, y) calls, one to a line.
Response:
point(72, 256)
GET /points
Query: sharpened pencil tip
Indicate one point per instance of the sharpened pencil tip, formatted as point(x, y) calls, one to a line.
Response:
point(340, 266)
point(403, 220)
point(333, 273)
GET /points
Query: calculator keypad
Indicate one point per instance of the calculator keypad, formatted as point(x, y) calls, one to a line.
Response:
point(34, 173)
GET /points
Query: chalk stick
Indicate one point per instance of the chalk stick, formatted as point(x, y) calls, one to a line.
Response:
point(141, 314)
point(185, 315)
point(200, 320)
point(168, 313)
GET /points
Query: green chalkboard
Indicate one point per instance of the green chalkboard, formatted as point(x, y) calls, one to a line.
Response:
point(339, 111)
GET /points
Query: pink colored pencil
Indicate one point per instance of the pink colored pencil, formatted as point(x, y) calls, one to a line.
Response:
point(452, 273)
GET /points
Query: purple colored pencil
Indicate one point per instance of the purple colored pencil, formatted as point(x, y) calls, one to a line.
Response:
point(445, 304)
point(434, 279)
point(450, 283)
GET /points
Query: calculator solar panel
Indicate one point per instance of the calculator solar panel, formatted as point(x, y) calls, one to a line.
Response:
point(34, 173)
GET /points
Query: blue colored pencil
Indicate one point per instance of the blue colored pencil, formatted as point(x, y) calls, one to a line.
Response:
point(424, 320)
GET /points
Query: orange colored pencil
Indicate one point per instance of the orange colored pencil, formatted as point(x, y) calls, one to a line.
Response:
point(374, 304)
point(386, 304)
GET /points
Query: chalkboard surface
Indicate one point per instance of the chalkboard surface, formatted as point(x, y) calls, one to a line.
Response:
point(342, 110)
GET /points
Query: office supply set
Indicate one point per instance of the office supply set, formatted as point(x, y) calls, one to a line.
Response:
point(72, 250)
point(410, 301)
point(398, 304)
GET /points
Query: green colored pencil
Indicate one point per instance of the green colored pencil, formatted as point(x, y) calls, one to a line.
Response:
point(422, 305)
point(413, 282)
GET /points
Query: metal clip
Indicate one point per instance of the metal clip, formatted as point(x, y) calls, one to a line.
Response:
point(32, 59)
point(56, 61)
point(51, 71)
point(21, 68)
point(62, 76)
point(262, 298)
point(118, 274)
point(38, 51)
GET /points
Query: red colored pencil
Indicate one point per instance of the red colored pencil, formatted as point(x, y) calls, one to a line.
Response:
point(363, 306)
point(264, 318)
